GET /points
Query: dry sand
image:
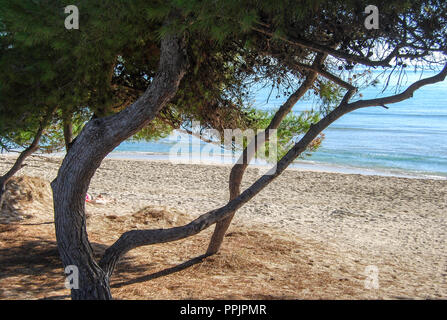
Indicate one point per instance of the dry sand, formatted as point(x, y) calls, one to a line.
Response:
point(307, 235)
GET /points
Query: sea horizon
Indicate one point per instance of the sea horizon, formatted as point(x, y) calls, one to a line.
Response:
point(406, 140)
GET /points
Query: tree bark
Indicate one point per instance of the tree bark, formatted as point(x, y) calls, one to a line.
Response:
point(98, 138)
point(68, 129)
point(2, 191)
point(238, 170)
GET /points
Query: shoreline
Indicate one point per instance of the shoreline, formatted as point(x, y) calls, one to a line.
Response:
point(300, 165)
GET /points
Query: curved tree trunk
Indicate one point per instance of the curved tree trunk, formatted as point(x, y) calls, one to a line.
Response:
point(98, 138)
point(238, 170)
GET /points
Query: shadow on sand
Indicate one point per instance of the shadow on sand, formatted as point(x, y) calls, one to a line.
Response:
point(33, 269)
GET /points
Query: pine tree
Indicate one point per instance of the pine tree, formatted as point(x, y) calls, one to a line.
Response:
point(150, 65)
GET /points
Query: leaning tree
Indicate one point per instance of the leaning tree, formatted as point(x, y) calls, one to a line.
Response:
point(319, 45)
point(37, 110)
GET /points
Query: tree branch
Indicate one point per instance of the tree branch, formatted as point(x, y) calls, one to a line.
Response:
point(28, 151)
point(335, 53)
point(327, 75)
point(136, 238)
point(4, 146)
point(198, 136)
point(408, 93)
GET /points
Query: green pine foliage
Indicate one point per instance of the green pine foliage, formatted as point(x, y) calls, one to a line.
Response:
point(107, 64)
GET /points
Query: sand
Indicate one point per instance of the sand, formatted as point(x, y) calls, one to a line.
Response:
point(328, 230)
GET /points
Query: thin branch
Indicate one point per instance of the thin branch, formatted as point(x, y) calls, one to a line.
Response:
point(4, 146)
point(187, 131)
point(199, 136)
point(282, 112)
point(327, 75)
point(335, 53)
point(18, 164)
point(28, 151)
point(408, 93)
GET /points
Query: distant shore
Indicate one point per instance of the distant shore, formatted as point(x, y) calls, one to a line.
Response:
point(301, 165)
point(305, 165)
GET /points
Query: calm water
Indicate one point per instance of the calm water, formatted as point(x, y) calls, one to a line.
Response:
point(409, 139)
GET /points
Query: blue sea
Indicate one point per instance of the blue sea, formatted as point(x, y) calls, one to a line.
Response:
point(409, 139)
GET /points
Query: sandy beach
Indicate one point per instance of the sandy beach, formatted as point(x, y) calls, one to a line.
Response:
point(336, 225)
